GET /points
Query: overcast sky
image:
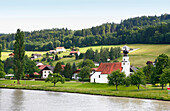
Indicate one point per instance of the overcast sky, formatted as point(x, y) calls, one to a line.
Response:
point(29, 15)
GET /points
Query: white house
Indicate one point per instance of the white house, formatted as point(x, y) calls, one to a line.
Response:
point(101, 74)
point(34, 56)
point(60, 49)
point(52, 51)
point(45, 70)
point(39, 63)
point(75, 52)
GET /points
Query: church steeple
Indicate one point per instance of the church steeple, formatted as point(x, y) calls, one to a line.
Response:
point(125, 61)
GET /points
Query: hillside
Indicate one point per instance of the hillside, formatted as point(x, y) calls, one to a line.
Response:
point(138, 58)
point(143, 30)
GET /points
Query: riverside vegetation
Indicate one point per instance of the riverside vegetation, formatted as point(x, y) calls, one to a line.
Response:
point(149, 92)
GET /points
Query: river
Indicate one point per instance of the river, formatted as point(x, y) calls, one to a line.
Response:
point(30, 100)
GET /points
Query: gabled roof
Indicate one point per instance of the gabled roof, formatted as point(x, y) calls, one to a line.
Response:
point(133, 69)
point(108, 68)
point(60, 48)
point(94, 69)
point(73, 52)
point(35, 73)
point(12, 54)
point(42, 66)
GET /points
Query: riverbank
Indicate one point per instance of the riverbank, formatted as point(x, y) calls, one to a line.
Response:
point(91, 88)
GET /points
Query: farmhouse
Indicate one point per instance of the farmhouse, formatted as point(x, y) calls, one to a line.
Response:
point(34, 56)
point(45, 70)
point(75, 52)
point(52, 51)
point(11, 55)
point(60, 49)
point(101, 74)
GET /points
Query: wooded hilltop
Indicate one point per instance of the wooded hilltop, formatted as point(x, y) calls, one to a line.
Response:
point(138, 30)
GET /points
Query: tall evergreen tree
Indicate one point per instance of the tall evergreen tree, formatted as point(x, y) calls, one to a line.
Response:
point(19, 51)
point(0, 51)
point(74, 68)
point(58, 68)
point(67, 71)
point(97, 56)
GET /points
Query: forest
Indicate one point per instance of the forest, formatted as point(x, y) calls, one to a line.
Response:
point(138, 30)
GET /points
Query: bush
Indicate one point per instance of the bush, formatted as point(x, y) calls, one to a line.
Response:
point(67, 79)
point(85, 80)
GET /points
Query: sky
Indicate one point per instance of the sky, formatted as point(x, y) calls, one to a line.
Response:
point(30, 15)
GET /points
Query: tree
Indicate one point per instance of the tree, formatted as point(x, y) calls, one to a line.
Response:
point(138, 78)
point(10, 71)
point(58, 68)
point(54, 78)
point(116, 78)
point(67, 71)
point(2, 74)
point(19, 51)
point(0, 51)
point(30, 66)
point(165, 77)
point(74, 68)
point(97, 56)
point(84, 72)
point(148, 71)
point(56, 57)
point(86, 62)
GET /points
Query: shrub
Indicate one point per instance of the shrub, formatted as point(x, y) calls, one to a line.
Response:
point(85, 80)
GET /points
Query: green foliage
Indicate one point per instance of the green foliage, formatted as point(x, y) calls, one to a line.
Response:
point(2, 74)
point(84, 72)
point(11, 71)
point(86, 62)
point(30, 66)
point(145, 30)
point(116, 78)
point(127, 81)
point(138, 78)
point(1, 66)
point(54, 78)
point(84, 79)
point(58, 68)
point(148, 71)
point(19, 51)
point(74, 68)
point(0, 51)
point(165, 77)
point(56, 57)
point(67, 72)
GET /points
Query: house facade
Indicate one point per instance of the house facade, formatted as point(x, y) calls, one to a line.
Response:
point(60, 49)
point(75, 52)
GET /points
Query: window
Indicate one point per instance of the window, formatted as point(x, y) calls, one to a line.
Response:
point(45, 75)
point(48, 71)
point(123, 63)
point(99, 76)
point(44, 71)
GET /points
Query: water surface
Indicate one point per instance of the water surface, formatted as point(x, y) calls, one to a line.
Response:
point(29, 100)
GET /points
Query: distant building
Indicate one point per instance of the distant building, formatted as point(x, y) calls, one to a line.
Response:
point(52, 51)
point(45, 70)
point(11, 55)
point(34, 56)
point(60, 49)
point(75, 52)
point(96, 63)
point(39, 63)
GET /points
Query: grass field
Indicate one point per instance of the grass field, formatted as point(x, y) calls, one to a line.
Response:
point(91, 88)
point(138, 58)
point(146, 52)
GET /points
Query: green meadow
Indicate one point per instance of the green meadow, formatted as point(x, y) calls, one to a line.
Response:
point(148, 92)
point(138, 58)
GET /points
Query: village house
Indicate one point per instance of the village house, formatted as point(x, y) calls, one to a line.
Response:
point(11, 55)
point(75, 52)
point(52, 51)
point(34, 56)
point(39, 63)
point(60, 49)
point(101, 74)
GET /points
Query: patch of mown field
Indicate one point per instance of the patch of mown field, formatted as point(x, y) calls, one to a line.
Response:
point(91, 88)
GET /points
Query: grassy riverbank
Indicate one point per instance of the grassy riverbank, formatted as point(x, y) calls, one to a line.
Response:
point(90, 88)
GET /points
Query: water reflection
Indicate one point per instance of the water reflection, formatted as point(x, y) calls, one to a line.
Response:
point(28, 100)
point(17, 100)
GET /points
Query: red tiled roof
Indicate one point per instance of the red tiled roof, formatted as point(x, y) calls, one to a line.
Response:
point(35, 73)
point(108, 68)
point(60, 48)
point(42, 66)
point(72, 52)
point(94, 69)
point(62, 66)
point(12, 54)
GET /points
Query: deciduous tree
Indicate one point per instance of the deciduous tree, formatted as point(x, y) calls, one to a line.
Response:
point(54, 78)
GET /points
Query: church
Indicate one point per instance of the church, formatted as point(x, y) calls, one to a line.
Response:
point(100, 76)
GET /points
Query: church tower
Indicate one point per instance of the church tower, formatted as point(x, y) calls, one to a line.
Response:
point(125, 61)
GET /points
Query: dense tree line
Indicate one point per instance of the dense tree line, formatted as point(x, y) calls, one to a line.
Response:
point(145, 29)
point(104, 54)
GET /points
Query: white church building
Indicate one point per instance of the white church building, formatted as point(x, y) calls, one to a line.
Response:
point(101, 74)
